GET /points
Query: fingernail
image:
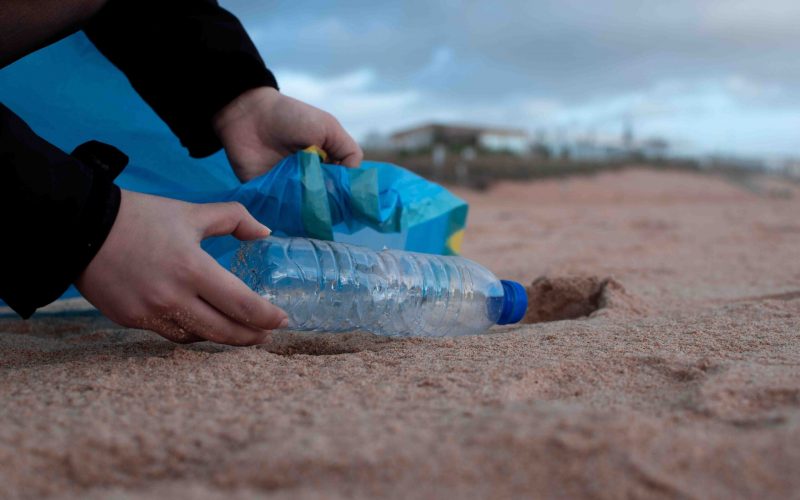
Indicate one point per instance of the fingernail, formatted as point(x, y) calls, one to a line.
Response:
point(284, 323)
point(269, 231)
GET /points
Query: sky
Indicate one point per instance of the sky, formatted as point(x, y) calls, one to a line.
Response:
point(710, 76)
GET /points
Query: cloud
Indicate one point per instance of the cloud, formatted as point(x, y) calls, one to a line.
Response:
point(352, 98)
point(441, 62)
point(733, 114)
point(671, 66)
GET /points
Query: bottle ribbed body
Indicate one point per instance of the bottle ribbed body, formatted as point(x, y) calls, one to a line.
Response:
point(335, 287)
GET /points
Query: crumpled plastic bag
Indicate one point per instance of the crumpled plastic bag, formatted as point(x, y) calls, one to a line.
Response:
point(377, 205)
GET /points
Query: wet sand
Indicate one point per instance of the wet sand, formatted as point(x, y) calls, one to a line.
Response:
point(683, 380)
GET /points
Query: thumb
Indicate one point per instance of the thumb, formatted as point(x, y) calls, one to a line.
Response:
point(340, 145)
point(220, 219)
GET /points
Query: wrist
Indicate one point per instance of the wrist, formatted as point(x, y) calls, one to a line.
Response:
point(261, 98)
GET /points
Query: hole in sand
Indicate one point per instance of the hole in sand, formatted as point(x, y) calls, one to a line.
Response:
point(570, 297)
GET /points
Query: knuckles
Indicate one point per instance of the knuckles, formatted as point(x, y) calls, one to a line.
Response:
point(162, 301)
point(189, 269)
point(331, 120)
point(235, 210)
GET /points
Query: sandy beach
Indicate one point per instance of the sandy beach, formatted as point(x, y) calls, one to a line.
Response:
point(661, 360)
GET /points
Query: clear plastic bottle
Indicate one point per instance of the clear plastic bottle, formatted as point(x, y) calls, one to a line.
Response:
point(336, 287)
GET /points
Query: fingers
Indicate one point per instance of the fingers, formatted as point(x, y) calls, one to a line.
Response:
point(229, 295)
point(341, 147)
point(203, 320)
point(168, 326)
point(353, 160)
point(226, 301)
point(219, 219)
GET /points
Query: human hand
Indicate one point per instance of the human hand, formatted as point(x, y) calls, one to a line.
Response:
point(262, 126)
point(151, 273)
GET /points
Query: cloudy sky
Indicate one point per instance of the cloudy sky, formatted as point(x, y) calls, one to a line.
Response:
point(709, 75)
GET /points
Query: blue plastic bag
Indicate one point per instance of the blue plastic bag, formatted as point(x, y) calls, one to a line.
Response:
point(378, 205)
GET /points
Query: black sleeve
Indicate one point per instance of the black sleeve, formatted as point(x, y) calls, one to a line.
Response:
point(57, 211)
point(186, 58)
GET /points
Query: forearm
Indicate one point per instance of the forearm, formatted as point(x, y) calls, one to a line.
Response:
point(186, 58)
point(58, 210)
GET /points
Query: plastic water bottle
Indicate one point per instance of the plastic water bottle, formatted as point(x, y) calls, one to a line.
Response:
point(336, 287)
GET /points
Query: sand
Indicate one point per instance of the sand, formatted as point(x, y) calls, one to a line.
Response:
point(682, 382)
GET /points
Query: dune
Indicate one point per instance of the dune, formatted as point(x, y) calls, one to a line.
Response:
point(660, 358)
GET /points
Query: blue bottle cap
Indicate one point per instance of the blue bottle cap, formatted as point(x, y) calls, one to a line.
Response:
point(515, 302)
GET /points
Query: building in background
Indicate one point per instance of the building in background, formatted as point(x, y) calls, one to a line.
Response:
point(489, 139)
point(375, 141)
point(441, 140)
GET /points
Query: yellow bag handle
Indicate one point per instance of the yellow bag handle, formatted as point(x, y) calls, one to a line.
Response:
point(317, 151)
